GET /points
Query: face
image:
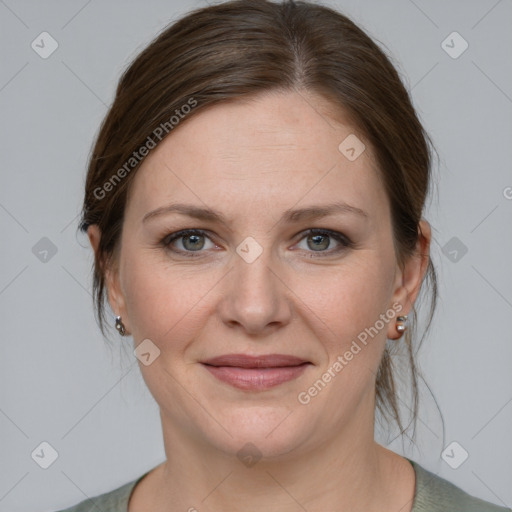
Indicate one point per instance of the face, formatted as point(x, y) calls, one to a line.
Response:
point(270, 318)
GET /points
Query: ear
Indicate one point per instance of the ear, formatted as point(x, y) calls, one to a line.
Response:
point(408, 279)
point(112, 285)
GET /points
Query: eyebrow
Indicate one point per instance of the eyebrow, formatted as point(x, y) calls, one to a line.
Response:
point(297, 215)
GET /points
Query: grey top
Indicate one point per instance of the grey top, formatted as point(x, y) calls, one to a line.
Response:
point(432, 494)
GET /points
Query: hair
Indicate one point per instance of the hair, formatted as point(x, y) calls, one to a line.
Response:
point(240, 48)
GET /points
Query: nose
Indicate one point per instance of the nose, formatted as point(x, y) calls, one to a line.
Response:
point(255, 298)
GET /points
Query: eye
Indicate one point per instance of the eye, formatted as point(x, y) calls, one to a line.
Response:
point(318, 240)
point(192, 240)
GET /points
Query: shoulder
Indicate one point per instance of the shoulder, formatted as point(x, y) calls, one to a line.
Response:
point(112, 501)
point(435, 494)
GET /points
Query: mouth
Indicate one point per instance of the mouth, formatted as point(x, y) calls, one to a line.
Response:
point(256, 373)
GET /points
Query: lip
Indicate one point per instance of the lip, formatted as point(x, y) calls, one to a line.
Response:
point(256, 373)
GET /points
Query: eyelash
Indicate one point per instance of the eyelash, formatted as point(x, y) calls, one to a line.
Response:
point(342, 239)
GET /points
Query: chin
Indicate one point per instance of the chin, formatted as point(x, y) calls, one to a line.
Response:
point(264, 431)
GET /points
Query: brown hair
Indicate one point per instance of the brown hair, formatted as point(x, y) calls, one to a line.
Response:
point(242, 47)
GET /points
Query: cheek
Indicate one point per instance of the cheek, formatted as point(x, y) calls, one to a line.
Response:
point(349, 302)
point(350, 298)
point(164, 301)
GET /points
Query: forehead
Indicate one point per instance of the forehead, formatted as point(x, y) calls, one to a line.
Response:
point(265, 153)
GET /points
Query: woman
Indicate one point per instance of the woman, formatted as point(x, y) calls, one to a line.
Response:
point(254, 201)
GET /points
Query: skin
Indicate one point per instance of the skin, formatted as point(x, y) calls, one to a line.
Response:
point(252, 160)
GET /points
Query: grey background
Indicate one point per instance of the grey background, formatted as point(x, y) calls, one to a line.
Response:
point(59, 381)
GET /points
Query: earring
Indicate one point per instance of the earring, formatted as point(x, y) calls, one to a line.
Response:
point(401, 324)
point(120, 326)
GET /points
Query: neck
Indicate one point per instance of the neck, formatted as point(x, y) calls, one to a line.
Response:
point(349, 472)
